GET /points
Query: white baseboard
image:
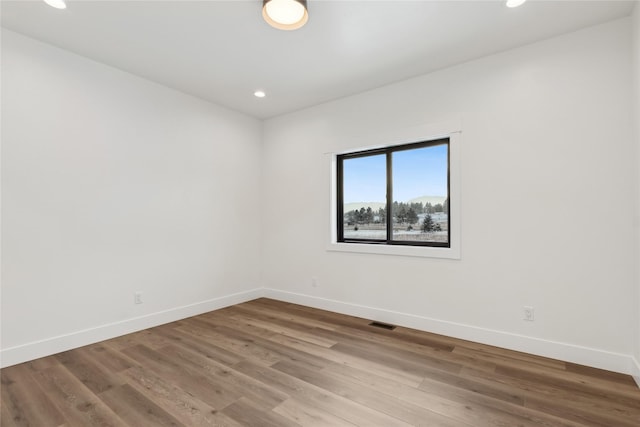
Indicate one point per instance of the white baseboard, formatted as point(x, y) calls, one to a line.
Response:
point(616, 362)
point(635, 370)
point(556, 350)
point(23, 353)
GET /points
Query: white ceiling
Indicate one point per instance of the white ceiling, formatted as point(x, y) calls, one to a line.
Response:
point(222, 51)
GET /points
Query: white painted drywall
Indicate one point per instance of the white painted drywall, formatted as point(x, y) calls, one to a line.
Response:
point(636, 94)
point(547, 201)
point(112, 184)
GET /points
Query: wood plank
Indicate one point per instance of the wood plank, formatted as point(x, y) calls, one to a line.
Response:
point(538, 393)
point(380, 348)
point(592, 388)
point(250, 346)
point(497, 409)
point(276, 326)
point(255, 343)
point(91, 374)
point(110, 359)
point(505, 357)
point(582, 414)
point(600, 374)
point(216, 321)
point(24, 403)
point(468, 406)
point(146, 337)
point(79, 405)
point(261, 395)
point(207, 348)
point(260, 305)
point(184, 406)
point(43, 363)
point(233, 341)
point(371, 397)
point(327, 317)
point(308, 415)
point(134, 408)
point(339, 406)
point(424, 346)
point(245, 412)
point(405, 362)
point(188, 379)
point(399, 375)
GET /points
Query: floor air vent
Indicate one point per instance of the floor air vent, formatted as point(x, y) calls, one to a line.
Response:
point(382, 325)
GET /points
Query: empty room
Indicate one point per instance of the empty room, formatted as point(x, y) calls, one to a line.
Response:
point(320, 213)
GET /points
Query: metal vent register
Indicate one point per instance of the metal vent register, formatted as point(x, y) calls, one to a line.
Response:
point(382, 325)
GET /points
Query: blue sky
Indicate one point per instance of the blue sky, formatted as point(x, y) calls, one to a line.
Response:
point(416, 173)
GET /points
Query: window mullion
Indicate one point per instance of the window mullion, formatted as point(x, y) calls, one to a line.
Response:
point(340, 203)
point(388, 212)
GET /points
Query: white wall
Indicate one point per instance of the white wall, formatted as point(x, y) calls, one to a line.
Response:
point(636, 76)
point(112, 184)
point(547, 202)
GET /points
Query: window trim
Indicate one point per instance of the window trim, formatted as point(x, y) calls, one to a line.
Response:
point(388, 153)
point(429, 132)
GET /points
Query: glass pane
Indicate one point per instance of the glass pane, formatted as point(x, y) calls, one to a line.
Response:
point(364, 185)
point(420, 189)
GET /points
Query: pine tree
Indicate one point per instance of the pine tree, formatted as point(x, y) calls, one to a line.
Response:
point(428, 224)
point(369, 215)
point(382, 214)
point(412, 216)
point(401, 214)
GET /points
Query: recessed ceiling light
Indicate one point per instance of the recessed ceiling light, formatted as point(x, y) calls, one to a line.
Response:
point(515, 3)
point(285, 14)
point(58, 4)
point(259, 94)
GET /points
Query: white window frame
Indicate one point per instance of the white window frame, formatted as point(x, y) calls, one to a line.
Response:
point(451, 130)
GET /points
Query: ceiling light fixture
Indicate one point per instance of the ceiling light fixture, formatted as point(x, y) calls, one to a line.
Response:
point(285, 14)
point(259, 94)
point(515, 3)
point(58, 4)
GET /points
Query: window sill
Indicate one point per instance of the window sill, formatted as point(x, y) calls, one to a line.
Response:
point(415, 251)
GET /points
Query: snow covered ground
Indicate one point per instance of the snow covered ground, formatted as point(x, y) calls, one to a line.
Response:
point(378, 231)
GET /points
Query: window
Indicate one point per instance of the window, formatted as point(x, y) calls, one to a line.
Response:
point(395, 195)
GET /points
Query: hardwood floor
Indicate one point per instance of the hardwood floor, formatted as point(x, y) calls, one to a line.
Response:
point(269, 363)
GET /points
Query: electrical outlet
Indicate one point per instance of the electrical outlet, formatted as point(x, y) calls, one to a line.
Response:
point(137, 298)
point(528, 313)
point(314, 282)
